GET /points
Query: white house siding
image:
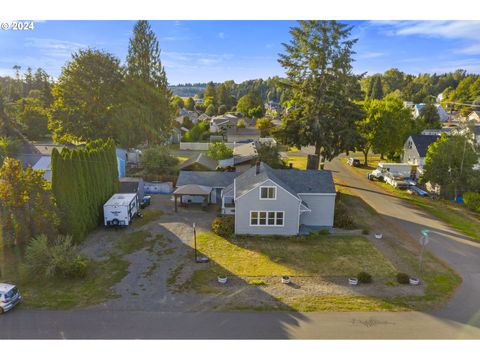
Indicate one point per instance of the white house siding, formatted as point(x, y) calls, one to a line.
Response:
point(250, 201)
point(322, 209)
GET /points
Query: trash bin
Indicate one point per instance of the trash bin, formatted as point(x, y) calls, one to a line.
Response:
point(147, 200)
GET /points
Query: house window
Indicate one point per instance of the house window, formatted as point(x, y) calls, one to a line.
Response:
point(268, 192)
point(266, 218)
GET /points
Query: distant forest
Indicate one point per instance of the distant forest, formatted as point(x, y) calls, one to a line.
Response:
point(270, 89)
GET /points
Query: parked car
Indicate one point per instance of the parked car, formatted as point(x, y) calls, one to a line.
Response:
point(353, 162)
point(9, 297)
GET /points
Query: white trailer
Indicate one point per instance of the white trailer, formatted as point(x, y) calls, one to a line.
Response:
point(393, 170)
point(120, 209)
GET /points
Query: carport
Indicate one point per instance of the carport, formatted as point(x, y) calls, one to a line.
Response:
point(192, 190)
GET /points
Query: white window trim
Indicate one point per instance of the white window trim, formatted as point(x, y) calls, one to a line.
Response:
point(266, 224)
point(267, 187)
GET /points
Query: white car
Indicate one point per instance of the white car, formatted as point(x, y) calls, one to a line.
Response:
point(9, 297)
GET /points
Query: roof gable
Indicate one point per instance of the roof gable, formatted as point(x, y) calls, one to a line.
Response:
point(422, 142)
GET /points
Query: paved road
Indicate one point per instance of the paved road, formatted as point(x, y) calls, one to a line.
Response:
point(98, 324)
point(455, 248)
point(459, 319)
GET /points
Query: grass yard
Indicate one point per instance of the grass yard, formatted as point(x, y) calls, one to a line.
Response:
point(299, 162)
point(314, 255)
point(455, 215)
point(59, 293)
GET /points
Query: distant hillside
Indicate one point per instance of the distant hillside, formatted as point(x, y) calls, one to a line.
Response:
point(187, 90)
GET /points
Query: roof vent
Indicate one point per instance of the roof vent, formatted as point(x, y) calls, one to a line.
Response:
point(257, 168)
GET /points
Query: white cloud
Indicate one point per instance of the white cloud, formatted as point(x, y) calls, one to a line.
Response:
point(462, 30)
point(371, 55)
point(54, 47)
point(221, 35)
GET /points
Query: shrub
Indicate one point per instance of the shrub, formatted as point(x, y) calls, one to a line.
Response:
point(224, 226)
point(342, 218)
point(256, 282)
point(364, 277)
point(365, 231)
point(403, 278)
point(472, 201)
point(48, 258)
point(219, 151)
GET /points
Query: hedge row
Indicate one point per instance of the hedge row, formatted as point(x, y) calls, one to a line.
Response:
point(83, 180)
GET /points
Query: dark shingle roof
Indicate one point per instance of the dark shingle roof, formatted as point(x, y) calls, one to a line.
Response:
point(201, 159)
point(214, 179)
point(422, 142)
point(294, 181)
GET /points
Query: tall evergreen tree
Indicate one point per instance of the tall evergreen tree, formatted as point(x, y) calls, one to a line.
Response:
point(146, 114)
point(318, 63)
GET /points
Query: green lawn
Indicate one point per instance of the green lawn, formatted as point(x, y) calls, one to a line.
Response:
point(314, 255)
point(455, 215)
point(299, 162)
point(59, 293)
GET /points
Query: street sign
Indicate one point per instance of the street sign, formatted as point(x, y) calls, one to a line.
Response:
point(425, 232)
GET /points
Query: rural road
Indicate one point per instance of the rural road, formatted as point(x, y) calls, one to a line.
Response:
point(462, 254)
point(459, 319)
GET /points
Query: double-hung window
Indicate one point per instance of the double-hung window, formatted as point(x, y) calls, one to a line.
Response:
point(268, 192)
point(266, 218)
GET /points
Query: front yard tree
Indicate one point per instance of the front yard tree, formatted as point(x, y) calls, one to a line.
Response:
point(449, 163)
point(147, 114)
point(318, 63)
point(85, 97)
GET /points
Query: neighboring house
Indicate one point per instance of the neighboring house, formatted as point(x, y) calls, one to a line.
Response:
point(474, 116)
point(203, 117)
point(176, 136)
point(438, 132)
point(415, 148)
point(44, 164)
point(273, 106)
point(417, 111)
point(134, 156)
point(267, 201)
point(132, 185)
point(471, 131)
point(222, 122)
point(199, 162)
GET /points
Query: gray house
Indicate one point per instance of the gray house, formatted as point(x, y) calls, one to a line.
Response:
point(266, 201)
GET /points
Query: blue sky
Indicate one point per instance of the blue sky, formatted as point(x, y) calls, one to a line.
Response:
point(200, 51)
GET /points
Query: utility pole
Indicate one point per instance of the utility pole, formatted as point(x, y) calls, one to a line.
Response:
point(195, 241)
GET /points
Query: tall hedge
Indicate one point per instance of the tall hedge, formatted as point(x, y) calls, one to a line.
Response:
point(82, 181)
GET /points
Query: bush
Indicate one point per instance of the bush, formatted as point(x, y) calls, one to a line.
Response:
point(224, 226)
point(365, 231)
point(403, 278)
point(48, 258)
point(219, 151)
point(256, 282)
point(472, 201)
point(342, 218)
point(364, 277)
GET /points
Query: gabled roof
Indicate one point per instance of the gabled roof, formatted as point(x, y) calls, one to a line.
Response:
point(200, 159)
point(422, 142)
point(244, 152)
point(214, 179)
point(294, 181)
